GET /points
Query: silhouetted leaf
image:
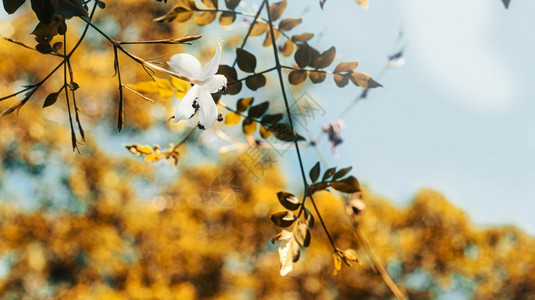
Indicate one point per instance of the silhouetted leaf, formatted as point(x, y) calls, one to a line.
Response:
point(328, 173)
point(69, 8)
point(325, 59)
point(283, 218)
point(314, 173)
point(258, 110)
point(285, 133)
point(297, 76)
point(301, 38)
point(277, 9)
point(232, 4)
point(226, 18)
point(11, 6)
point(234, 86)
point(232, 118)
point(43, 10)
point(44, 48)
point(57, 46)
point(317, 77)
point(244, 103)
point(255, 82)
point(289, 23)
point(51, 99)
point(287, 48)
point(346, 67)
point(363, 80)
point(288, 200)
point(346, 185)
point(342, 172)
point(48, 30)
point(246, 60)
point(205, 18)
point(303, 55)
point(248, 126)
point(271, 119)
point(320, 186)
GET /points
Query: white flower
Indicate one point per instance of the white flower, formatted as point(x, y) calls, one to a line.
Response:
point(206, 82)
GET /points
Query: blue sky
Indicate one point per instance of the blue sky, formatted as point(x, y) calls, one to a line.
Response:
point(458, 117)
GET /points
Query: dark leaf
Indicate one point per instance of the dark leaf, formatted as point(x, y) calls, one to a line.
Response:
point(328, 173)
point(51, 99)
point(301, 38)
point(43, 10)
point(47, 30)
point(14, 107)
point(297, 76)
point(264, 132)
point(303, 55)
point(342, 172)
point(288, 24)
point(258, 110)
point(227, 18)
point(259, 28)
point(317, 77)
point(69, 8)
point(248, 126)
point(288, 200)
point(255, 82)
point(205, 18)
point(232, 4)
point(322, 2)
point(314, 173)
point(57, 46)
point(363, 80)
point(268, 42)
point(285, 133)
point(283, 218)
point(271, 119)
point(309, 218)
point(246, 60)
point(73, 86)
point(44, 48)
point(244, 103)
point(325, 59)
point(346, 66)
point(346, 185)
point(234, 86)
point(277, 9)
point(316, 187)
point(313, 55)
point(11, 6)
point(102, 4)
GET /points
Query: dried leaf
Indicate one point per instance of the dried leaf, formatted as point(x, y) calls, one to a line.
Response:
point(255, 82)
point(248, 126)
point(337, 264)
point(342, 172)
point(303, 55)
point(283, 218)
point(317, 76)
point(363, 80)
point(227, 18)
point(289, 23)
point(268, 42)
point(271, 119)
point(258, 110)
point(232, 118)
point(288, 200)
point(259, 28)
point(232, 4)
point(287, 48)
point(314, 173)
point(205, 18)
point(346, 67)
point(297, 76)
point(264, 132)
point(346, 185)
point(284, 132)
point(301, 38)
point(341, 80)
point(244, 103)
point(328, 173)
point(325, 59)
point(277, 9)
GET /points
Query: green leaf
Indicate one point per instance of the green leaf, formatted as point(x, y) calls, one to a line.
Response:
point(346, 185)
point(342, 172)
point(289, 23)
point(277, 9)
point(258, 110)
point(325, 59)
point(314, 173)
point(328, 173)
point(283, 218)
point(51, 99)
point(244, 103)
point(288, 200)
point(255, 82)
point(246, 60)
point(11, 6)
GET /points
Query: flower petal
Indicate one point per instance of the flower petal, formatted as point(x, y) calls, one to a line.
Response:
point(215, 84)
point(186, 64)
point(207, 110)
point(184, 109)
point(211, 68)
